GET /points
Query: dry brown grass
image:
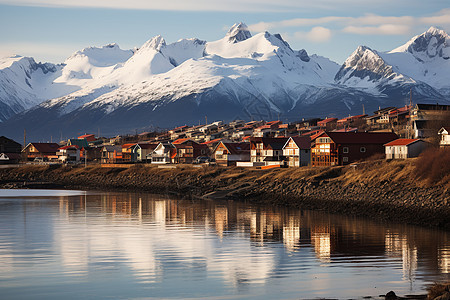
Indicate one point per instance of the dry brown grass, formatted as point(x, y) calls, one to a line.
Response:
point(438, 289)
point(433, 167)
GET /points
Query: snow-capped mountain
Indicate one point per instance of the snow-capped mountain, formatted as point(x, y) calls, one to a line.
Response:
point(239, 76)
point(422, 64)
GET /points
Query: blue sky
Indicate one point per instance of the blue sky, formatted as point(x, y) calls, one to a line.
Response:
point(51, 30)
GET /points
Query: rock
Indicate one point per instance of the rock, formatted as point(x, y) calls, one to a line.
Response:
point(391, 296)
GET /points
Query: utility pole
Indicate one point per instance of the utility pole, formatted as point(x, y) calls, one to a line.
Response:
point(24, 138)
point(206, 120)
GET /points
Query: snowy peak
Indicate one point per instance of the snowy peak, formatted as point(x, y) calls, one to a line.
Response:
point(238, 32)
point(155, 43)
point(428, 45)
point(364, 63)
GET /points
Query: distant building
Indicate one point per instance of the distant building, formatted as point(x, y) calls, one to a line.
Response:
point(404, 148)
point(427, 118)
point(164, 153)
point(88, 137)
point(69, 153)
point(140, 151)
point(267, 149)
point(444, 133)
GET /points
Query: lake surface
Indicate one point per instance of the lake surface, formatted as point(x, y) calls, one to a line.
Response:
point(72, 245)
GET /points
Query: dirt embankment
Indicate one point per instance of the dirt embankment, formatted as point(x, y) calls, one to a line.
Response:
point(379, 189)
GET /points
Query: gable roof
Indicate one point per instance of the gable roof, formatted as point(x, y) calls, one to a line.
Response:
point(45, 147)
point(445, 128)
point(147, 146)
point(236, 148)
point(270, 143)
point(302, 142)
point(326, 121)
point(402, 142)
point(79, 142)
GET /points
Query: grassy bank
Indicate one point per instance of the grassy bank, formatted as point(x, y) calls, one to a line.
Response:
point(402, 191)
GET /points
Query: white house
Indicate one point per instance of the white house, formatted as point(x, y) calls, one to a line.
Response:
point(404, 148)
point(162, 154)
point(445, 137)
point(297, 151)
point(69, 153)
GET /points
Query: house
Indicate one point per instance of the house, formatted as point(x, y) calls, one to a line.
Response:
point(297, 151)
point(162, 154)
point(111, 154)
point(427, 118)
point(328, 124)
point(127, 152)
point(227, 154)
point(69, 153)
point(351, 121)
point(9, 150)
point(404, 148)
point(188, 150)
point(267, 149)
point(140, 151)
point(41, 150)
point(444, 141)
point(88, 137)
point(341, 148)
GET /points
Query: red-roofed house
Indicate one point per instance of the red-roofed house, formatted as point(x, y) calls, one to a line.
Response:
point(88, 137)
point(127, 151)
point(297, 151)
point(328, 124)
point(69, 153)
point(404, 148)
point(188, 150)
point(42, 150)
point(341, 148)
point(227, 154)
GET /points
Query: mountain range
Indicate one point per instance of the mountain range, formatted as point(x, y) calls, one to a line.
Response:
point(240, 76)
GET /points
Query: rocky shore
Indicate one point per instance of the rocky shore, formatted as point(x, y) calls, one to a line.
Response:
point(382, 190)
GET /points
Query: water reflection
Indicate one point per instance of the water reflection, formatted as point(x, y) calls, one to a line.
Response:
point(137, 242)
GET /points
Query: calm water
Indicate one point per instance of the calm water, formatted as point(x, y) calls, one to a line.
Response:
point(72, 245)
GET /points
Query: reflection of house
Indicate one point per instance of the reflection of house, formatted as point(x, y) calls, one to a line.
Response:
point(297, 151)
point(162, 154)
point(444, 141)
point(340, 148)
point(44, 150)
point(227, 154)
point(267, 149)
point(68, 153)
point(404, 148)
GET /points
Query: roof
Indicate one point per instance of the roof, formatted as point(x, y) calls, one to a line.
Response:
point(68, 147)
point(326, 121)
point(237, 148)
point(273, 143)
point(445, 128)
point(88, 137)
point(45, 147)
point(78, 142)
point(351, 129)
point(361, 137)
point(147, 146)
point(302, 142)
point(314, 136)
point(112, 148)
point(126, 146)
point(212, 141)
point(402, 142)
point(180, 141)
point(436, 106)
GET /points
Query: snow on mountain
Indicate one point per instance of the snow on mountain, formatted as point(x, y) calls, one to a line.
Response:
point(239, 76)
point(423, 61)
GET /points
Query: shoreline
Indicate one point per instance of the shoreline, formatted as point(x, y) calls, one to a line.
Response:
point(364, 190)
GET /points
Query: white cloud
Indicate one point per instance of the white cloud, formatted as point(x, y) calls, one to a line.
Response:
point(368, 24)
point(387, 29)
point(317, 35)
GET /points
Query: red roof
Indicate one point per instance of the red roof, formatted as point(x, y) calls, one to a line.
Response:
point(237, 148)
point(302, 142)
point(68, 147)
point(401, 142)
point(180, 141)
point(88, 137)
point(328, 120)
point(314, 136)
point(126, 146)
point(46, 147)
point(212, 141)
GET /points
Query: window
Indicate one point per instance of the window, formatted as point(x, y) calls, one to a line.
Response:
point(345, 150)
point(362, 149)
point(345, 159)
